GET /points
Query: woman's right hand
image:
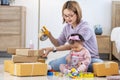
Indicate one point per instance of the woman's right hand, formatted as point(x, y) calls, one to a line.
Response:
point(45, 31)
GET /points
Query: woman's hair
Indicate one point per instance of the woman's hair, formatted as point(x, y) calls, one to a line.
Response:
point(73, 6)
point(75, 38)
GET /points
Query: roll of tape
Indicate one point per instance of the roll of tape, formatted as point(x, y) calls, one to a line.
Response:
point(42, 36)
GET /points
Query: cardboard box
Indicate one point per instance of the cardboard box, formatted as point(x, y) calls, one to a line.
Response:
point(41, 52)
point(29, 69)
point(41, 60)
point(7, 64)
point(23, 59)
point(29, 52)
point(12, 50)
point(106, 68)
point(26, 69)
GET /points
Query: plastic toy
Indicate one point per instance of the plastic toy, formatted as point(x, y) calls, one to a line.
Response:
point(56, 73)
point(50, 73)
point(59, 74)
point(75, 74)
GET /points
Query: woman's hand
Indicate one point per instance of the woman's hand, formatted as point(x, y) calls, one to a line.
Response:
point(45, 31)
point(46, 51)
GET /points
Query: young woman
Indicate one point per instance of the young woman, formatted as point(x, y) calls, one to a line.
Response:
point(72, 16)
point(78, 58)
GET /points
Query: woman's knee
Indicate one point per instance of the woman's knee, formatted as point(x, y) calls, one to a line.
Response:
point(96, 60)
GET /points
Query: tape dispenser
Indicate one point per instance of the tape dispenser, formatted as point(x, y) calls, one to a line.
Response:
point(44, 33)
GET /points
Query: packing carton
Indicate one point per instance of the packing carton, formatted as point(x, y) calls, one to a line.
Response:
point(24, 59)
point(106, 68)
point(29, 52)
point(12, 50)
point(25, 69)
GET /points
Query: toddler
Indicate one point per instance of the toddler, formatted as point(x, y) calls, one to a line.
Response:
point(79, 57)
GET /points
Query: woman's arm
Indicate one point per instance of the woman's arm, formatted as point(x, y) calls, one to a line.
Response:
point(48, 33)
point(63, 47)
point(53, 40)
point(60, 48)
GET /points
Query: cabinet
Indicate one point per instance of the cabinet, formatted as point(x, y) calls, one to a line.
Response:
point(12, 26)
point(104, 44)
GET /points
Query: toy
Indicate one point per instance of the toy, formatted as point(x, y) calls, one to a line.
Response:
point(50, 73)
point(59, 74)
point(87, 75)
point(44, 33)
point(75, 74)
point(56, 73)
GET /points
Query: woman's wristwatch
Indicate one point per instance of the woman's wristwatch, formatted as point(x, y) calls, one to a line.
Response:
point(54, 49)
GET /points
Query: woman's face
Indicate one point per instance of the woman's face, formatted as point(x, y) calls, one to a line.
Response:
point(77, 46)
point(70, 17)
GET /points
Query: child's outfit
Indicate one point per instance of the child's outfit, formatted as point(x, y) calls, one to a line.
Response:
point(79, 60)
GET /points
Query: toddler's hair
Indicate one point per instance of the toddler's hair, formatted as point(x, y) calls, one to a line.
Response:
point(75, 38)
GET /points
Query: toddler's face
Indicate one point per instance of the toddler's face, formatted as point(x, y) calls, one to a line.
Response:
point(77, 46)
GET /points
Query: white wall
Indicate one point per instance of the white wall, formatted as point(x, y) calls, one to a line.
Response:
point(94, 11)
point(97, 12)
point(50, 16)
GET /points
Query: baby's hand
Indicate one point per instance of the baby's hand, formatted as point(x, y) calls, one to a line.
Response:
point(81, 68)
point(68, 60)
point(80, 63)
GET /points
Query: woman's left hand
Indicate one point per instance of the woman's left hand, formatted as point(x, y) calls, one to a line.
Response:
point(46, 51)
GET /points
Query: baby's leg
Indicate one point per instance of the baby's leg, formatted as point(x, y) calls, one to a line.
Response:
point(56, 63)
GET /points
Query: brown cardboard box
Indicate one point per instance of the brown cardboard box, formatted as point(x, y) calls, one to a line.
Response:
point(105, 68)
point(29, 52)
point(27, 69)
point(20, 59)
point(7, 64)
point(41, 52)
point(12, 50)
point(41, 60)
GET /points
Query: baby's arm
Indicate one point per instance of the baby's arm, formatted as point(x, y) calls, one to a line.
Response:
point(83, 65)
point(87, 58)
point(68, 59)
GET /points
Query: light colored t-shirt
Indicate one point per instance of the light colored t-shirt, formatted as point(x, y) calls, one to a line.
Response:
point(88, 34)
